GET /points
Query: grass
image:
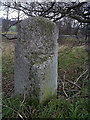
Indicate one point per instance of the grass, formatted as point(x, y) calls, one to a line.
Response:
point(7, 65)
point(9, 35)
point(9, 32)
point(72, 62)
point(69, 57)
point(12, 107)
point(8, 57)
point(72, 40)
point(56, 108)
point(60, 108)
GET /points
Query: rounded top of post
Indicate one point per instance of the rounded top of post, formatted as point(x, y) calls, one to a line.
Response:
point(39, 20)
point(39, 35)
point(34, 23)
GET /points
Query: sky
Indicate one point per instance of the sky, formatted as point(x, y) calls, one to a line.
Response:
point(3, 13)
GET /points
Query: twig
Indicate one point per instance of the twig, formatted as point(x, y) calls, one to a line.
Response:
point(64, 90)
point(23, 101)
point(80, 76)
point(74, 84)
point(13, 110)
point(74, 95)
point(21, 106)
point(84, 80)
point(28, 110)
point(8, 37)
point(63, 87)
point(71, 90)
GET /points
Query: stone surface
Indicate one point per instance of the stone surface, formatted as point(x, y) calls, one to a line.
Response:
point(0, 70)
point(36, 54)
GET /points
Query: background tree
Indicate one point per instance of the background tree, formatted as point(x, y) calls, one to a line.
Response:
point(54, 10)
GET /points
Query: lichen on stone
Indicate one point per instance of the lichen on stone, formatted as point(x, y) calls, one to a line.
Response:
point(35, 58)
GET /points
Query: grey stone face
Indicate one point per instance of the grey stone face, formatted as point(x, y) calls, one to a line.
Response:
point(36, 53)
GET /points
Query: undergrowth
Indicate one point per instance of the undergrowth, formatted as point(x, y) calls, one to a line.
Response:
point(55, 108)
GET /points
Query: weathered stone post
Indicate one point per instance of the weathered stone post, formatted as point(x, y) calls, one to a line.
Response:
point(36, 54)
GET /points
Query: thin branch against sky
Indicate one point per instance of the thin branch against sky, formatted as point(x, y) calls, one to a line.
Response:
point(45, 1)
point(36, 10)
